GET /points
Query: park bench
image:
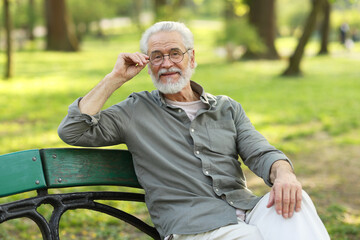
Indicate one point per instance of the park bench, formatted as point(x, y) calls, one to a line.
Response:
point(43, 169)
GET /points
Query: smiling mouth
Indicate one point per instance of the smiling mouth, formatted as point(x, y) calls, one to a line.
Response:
point(168, 74)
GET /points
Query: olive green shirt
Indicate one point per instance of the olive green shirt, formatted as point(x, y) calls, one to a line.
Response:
point(189, 170)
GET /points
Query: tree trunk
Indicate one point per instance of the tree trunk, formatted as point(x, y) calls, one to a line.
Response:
point(180, 3)
point(262, 17)
point(136, 12)
point(8, 28)
point(325, 28)
point(31, 21)
point(61, 35)
point(229, 16)
point(229, 11)
point(294, 61)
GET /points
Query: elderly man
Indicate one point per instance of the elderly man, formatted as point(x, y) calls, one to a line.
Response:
point(185, 145)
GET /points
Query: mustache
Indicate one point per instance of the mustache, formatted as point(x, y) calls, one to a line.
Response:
point(172, 69)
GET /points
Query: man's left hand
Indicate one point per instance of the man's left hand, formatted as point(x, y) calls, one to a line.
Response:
point(286, 193)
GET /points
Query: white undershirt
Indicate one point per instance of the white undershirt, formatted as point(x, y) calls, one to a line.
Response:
point(191, 108)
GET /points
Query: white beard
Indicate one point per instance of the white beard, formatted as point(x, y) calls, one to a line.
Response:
point(172, 87)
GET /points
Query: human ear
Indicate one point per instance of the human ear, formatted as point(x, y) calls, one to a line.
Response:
point(192, 59)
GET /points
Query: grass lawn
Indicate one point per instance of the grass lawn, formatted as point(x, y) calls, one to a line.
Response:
point(313, 119)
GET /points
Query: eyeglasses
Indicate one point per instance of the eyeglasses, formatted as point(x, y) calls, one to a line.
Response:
point(175, 55)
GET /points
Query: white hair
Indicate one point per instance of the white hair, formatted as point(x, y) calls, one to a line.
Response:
point(167, 26)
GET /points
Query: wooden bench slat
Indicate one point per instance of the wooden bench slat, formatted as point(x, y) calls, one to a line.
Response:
point(20, 172)
point(68, 167)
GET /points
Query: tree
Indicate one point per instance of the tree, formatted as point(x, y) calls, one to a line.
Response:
point(230, 16)
point(8, 28)
point(137, 5)
point(293, 68)
point(236, 41)
point(168, 9)
point(325, 27)
point(88, 19)
point(61, 34)
point(262, 17)
point(31, 21)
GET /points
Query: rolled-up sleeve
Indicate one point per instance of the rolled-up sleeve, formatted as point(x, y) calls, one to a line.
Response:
point(255, 151)
point(103, 129)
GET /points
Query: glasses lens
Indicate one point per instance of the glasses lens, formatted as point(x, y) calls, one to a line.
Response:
point(176, 55)
point(156, 58)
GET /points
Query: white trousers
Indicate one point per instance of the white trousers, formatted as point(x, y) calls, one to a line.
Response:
point(264, 223)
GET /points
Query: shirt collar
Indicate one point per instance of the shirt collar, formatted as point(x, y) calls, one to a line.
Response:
point(204, 97)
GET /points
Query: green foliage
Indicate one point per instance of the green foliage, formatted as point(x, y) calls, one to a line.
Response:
point(170, 13)
point(209, 9)
point(345, 4)
point(20, 12)
point(239, 32)
point(291, 16)
point(82, 13)
point(350, 16)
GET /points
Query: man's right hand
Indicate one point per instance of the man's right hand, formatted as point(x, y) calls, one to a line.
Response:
point(127, 66)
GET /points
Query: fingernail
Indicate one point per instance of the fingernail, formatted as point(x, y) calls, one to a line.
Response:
point(279, 212)
point(285, 215)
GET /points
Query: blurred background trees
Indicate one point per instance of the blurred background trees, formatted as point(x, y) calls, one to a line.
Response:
point(8, 40)
point(294, 62)
point(61, 34)
point(262, 16)
point(250, 29)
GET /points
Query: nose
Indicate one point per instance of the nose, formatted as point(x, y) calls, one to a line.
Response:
point(166, 61)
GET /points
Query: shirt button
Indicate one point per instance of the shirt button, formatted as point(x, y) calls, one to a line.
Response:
point(216, 189)
point(207, 172)
point(192, 130)
point(179, 110)
point(231, 202)
point(197, 152)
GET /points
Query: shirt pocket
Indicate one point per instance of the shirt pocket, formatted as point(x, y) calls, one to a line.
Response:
point(222, 136)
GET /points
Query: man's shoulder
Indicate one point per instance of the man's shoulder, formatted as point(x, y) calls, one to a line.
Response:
point(221, 98)
point(142, 97)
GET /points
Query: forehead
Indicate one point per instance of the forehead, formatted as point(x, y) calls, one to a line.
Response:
point(164, 41)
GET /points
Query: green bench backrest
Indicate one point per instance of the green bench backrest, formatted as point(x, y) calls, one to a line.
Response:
point(82, 167)
point(65, 167)
point(21, 172)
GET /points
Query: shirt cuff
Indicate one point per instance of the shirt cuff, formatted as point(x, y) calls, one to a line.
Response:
point(274, 158)
point(74, 112)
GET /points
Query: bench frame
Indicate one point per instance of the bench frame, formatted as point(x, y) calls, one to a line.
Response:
point(70, 167)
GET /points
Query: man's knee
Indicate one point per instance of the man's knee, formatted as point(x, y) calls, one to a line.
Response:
point(245, 231)
point(255, 233)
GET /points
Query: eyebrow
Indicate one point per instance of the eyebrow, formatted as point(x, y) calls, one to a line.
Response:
point(169, 51)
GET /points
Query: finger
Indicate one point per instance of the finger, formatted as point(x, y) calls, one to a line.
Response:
point(285, 202)
point(279, 201)
point(144, 59)
point(292, 202)
point(132, 59)
point(137, 60)
point(298, 200)
point(271, 199)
